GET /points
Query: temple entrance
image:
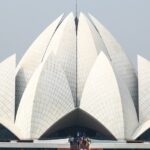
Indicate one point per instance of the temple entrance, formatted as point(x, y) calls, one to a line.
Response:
point(6, 135)
point(145, 136)
point(80, 122)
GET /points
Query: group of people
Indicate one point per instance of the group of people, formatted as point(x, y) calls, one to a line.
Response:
point(79, 142)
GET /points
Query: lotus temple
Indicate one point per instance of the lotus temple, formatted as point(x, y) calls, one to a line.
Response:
point(75, 77)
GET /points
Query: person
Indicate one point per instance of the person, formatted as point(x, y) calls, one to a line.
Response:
point(78, 139)
point(71, 140)
point(78, 134)
point(85, 143)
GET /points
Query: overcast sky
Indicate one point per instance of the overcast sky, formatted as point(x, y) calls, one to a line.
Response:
point(21, 21)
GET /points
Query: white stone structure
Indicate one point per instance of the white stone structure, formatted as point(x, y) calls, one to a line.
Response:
point(7, 88)
point(144, 96)
point(33, 58)
point(119, 59)
point(74, 74)
point(103, 93)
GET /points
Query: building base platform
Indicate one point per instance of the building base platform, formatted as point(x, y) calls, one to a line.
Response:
point(64, 145)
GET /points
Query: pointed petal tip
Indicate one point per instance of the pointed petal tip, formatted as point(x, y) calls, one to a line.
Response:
point(12, 56)
point(70, 15)
point(81, 14)
point(103, 55)
point(140, 57)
